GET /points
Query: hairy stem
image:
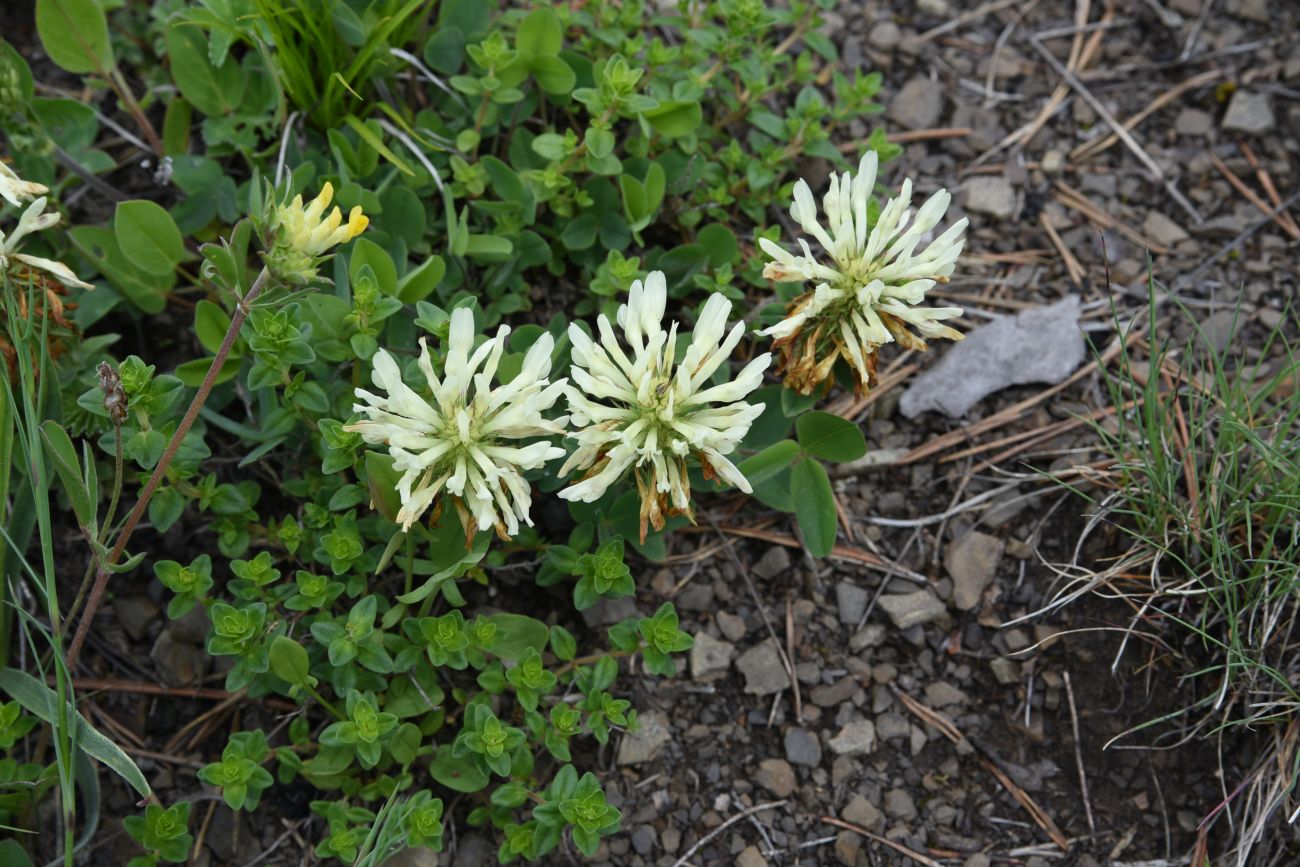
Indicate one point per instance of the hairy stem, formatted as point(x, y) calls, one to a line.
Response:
point(160, 471)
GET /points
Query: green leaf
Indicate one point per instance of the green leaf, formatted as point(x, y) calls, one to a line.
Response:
point(148, 236)
point(552, 74)
point(367, 252)
point(540, 33)
point(289, 662)
point(382, 479)
point(516, 634)
point(769, 461)
point(370, 137)
point(814, 506)
point(144, 290)
point(827, 436)
point(210, 325)
point(675, 118)
point(418, 283)
point(42, 701)
point(75, 34)
point(213, 90)
point(64, 453)
point(461, 774)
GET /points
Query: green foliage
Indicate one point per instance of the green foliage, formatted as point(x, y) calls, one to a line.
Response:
point(526, 164)
point(164, 833)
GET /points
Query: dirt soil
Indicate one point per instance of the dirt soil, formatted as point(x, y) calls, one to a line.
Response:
point(902, 636)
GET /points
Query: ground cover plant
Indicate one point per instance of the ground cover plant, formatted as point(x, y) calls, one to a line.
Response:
point(358, 203)
point(456, 432)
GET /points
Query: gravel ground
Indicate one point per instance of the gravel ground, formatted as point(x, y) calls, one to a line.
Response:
point(883, 689)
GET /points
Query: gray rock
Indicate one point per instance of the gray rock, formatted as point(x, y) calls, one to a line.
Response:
point(710, 657)
point(1191, 121)
point(642, 745)
point(937, 8)
point(414, 857)
point(643, 839)
point(1250, 113)
point(775, 561)
point(857, 738)
point(885, 35)
point(852, 601)
point(1217, 329)
point(943, 694)
point(1163, 230)
point(972, 561)
point(179, 663)
point(777, 776)
point(1039, 345)
point(750, 857)
point(848, 848)
point(979, 859)
point(764, 673)
point(136, 614)
point(609, 611)
point(918, 104)
point(831, 694)
point(1005, 671)
point(911, 609)
point(863, 813)
point(871, 635)
point(899, 805)
point(992, 195)
point(1053, 162)
point(802, 748)
point(890, 725)
point(731, 626)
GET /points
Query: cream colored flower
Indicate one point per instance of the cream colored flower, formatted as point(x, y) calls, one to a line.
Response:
point(866, 288)
point(639, 411)
point(464, 439)
point(15, 190)
point(34, 219)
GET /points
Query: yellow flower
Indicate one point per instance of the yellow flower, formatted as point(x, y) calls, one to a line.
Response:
point(301, 235)
point(306, 232)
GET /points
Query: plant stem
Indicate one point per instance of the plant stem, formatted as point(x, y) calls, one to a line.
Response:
point(123, 91)
point(159, 471)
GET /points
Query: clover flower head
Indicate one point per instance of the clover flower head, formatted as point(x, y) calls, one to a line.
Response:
point(35, 219)
point(642, 410)
point(15, 190)
point(305, 233)
point(867, 284)
point(464, 439)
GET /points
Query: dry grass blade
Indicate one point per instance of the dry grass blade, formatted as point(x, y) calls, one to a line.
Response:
point(1072, 266)
point(1265, 181)
point(1077, 201)
point(990, 761)
point(883, 841)
point(1279, 217)
point(744, 814)
point(1090, 149)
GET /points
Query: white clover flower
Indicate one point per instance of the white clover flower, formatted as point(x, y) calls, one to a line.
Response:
point(15, 190)
point(465, 439)
point(34, 219)
point(639, 411)
point(867, 294)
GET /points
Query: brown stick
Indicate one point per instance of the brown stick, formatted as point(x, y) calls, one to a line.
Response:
point(159, 471)
point(883, 841)
point(1252, 197)
point(1265, 181)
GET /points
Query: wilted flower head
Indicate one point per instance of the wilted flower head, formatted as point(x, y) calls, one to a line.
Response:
point(643, 412)
point(465, 437)
point(301, 235)
point(34, 219)
point(866, 286)
point(15, 190)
